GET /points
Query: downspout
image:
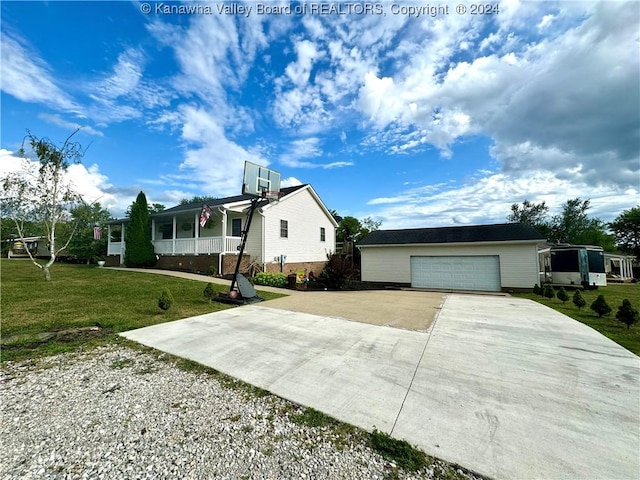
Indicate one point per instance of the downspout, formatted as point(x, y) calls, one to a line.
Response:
point(264, 243)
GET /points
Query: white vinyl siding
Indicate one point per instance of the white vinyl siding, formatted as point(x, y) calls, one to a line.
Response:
point(305, 217)
point(518, 261)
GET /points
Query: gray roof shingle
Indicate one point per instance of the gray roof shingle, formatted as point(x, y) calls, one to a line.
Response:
point(501, 232)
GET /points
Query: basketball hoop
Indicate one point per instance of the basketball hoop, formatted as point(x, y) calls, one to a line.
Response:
point(272, 196)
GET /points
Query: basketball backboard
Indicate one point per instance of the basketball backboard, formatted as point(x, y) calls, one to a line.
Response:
point(258, 179)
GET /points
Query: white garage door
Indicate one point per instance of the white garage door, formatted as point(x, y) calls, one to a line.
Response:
point(456, 272)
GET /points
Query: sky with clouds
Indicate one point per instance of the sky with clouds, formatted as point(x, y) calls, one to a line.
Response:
point(415, 116)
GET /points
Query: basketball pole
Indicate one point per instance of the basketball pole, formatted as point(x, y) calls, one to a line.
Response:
point(245, 234)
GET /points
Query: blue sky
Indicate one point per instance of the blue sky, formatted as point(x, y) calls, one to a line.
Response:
point(416, 121)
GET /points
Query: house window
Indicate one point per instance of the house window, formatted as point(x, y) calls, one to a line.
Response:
point(236, 227)
point(284, 229)
point(323, 234)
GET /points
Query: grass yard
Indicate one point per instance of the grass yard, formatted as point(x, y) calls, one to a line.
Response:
point(609, 326)
point(81, 296)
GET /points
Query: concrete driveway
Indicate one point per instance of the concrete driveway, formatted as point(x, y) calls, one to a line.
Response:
point(503, 386)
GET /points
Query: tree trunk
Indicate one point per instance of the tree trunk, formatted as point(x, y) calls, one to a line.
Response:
point(47, 273)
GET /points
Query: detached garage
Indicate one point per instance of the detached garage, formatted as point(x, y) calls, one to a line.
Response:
point(478, 257)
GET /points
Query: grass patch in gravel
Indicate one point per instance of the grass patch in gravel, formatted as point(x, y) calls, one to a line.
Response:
point(608, 325)
point(399, 452)
point(84, 306)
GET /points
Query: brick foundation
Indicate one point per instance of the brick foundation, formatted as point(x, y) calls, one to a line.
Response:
point(287, 268)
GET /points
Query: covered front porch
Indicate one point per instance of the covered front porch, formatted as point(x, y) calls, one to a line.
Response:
point(180, 233)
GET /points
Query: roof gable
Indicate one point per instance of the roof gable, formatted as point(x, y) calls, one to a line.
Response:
point(501, 232)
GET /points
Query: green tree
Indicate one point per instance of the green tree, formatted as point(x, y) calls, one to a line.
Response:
point(562, 295)
point(627, 314)
point(41, 194)
point(626, 231)
point(348, 229)
point(139, 249)
point(532, 214)
point(198, 199)
point(83, 245)
point(165, 302)
point(548, 292)
point(600, 306)
point(574, 226)
point(578, 300)
point(209, 291)
point(354, 230)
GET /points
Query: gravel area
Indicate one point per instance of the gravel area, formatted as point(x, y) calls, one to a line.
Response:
point(118, 412)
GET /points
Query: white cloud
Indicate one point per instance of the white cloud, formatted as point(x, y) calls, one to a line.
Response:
point(211, 160)
point(29, 78)
point(488, 200)
point(308, 148)
point(88, 182)
point(66, 124)
point(290, 182)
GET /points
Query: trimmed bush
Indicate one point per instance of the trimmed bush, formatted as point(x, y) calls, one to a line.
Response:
point(271, 279)
point(627, 314)
point(548, 292)
point(209, 291)
point(578, 300)
point(166, 299)
point(562, 295)
point(212, 271)
point(600, 306)
point(537, 290)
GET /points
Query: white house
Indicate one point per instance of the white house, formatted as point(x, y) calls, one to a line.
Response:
point(477, 257)
point(293, 234)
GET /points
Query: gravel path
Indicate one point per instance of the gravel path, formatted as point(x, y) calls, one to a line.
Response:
point(117, 412)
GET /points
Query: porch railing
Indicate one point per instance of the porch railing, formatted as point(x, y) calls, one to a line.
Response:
point(191, 246)
point(185, 246)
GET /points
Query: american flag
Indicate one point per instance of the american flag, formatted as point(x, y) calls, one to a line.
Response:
point(97, 233)
point(204, 215)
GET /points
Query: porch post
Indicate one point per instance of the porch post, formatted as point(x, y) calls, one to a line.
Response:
point(108, 238)
point(123, 245)
point(224, 230)
point(196, 232)
point(223, 212)
point(153, 230)
point(173, 241)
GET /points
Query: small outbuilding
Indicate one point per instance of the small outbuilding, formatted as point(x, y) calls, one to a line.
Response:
point(476, 257)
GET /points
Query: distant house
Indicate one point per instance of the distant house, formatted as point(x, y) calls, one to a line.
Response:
point(476, 257)
point(293, 234)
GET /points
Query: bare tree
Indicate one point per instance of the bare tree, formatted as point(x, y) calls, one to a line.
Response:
point(41, 193)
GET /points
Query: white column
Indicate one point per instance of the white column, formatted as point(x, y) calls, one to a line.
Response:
point(196, 232)
point(153, 230)
point(224, 230)
point(173, 241)
point(123, 245)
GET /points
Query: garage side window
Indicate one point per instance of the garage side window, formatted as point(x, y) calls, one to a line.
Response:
point(284, 229)
point(323, 234)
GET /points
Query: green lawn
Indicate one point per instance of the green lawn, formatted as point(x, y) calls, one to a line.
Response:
point(609, 326)
point(87, 296)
